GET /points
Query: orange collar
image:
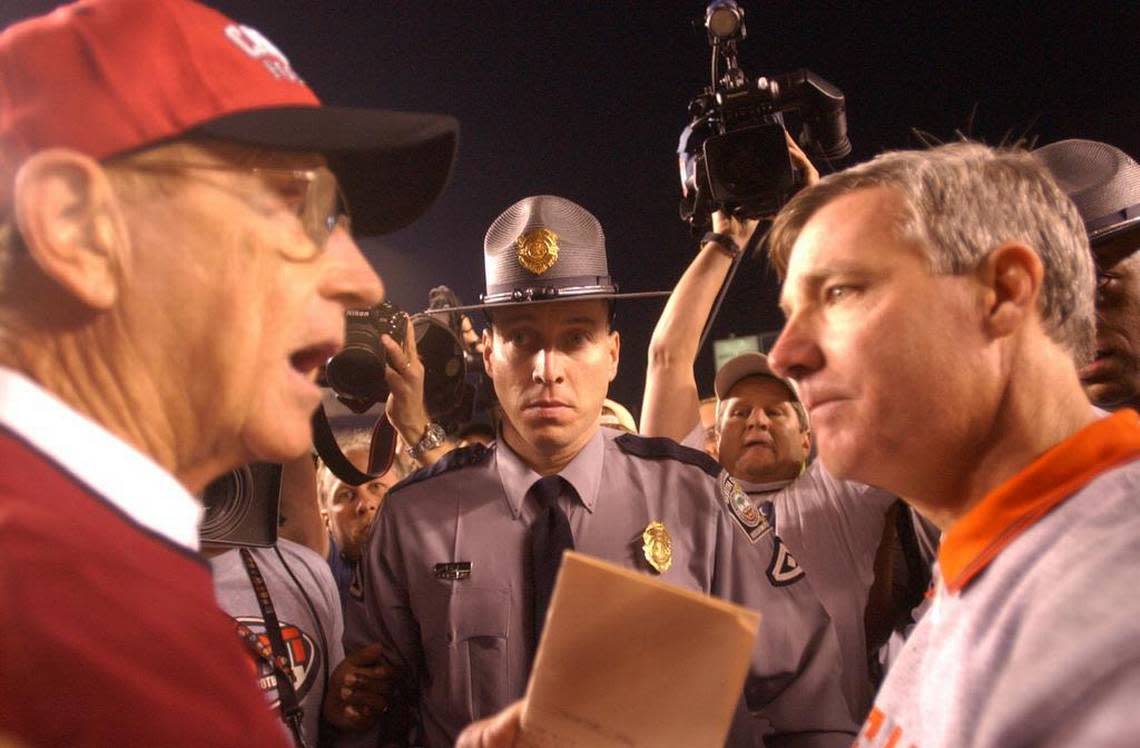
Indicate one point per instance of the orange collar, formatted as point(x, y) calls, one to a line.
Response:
point(1013, 507)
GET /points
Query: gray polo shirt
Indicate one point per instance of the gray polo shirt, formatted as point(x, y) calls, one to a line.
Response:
point(463, 644)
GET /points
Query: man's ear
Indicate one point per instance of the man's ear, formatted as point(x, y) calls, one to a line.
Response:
point(70, 221)
point(1011, 276)
point(615, 353)
point(487, 345)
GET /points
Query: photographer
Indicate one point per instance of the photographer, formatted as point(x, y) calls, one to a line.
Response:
point(763, 439)
point(175, 263)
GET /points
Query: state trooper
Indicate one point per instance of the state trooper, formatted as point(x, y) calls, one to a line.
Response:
point(458, 569)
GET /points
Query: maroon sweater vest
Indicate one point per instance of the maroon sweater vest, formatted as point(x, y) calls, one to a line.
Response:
point(109, 633)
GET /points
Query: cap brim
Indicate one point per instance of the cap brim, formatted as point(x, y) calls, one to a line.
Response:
point(580, 297)
point(744, 365)
point(391, 165)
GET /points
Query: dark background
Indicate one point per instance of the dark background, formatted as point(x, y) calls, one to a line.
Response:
point(587, 100)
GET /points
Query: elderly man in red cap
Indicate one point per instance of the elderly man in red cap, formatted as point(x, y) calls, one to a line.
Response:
point(175, 262)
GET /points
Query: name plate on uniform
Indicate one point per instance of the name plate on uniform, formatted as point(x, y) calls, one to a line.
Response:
point(453, 571)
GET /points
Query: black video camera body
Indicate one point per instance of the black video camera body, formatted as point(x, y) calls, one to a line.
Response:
point(733, 155)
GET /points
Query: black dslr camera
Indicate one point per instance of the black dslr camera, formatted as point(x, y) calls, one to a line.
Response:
point(733, 154)
point(356, 372)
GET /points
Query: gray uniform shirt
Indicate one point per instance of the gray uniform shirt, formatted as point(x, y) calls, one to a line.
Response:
point(463, 644)
point(834, 528)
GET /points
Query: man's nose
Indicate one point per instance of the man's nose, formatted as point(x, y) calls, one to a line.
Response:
point(349, 279)
point(795, 354)
point(758, 418)
point(548, 367)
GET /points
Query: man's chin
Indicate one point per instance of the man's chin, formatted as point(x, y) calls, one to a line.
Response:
point(1111, 393)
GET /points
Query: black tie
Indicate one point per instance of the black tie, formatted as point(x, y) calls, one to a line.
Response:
point(550, 536)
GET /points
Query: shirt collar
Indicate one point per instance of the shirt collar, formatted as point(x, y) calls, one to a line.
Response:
point(1013, 507)
point(756, 488)
point(584, 472)
point(119, 473)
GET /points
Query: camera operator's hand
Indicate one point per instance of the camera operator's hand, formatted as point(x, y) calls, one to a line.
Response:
point(811, 174)
point(405, 407)
point(359, 689)
point(741, 230)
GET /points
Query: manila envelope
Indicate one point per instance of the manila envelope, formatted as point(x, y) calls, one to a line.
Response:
point(628, 660)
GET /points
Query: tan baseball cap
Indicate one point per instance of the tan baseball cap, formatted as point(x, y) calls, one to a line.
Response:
point(745, 365)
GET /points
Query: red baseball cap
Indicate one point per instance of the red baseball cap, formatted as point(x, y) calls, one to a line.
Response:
point(105, 77)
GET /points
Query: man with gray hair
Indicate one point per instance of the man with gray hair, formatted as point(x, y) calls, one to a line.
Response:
point(939, 305)
point(1104, 182)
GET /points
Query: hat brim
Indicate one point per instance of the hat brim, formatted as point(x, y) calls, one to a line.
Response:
point(744, 365)
point(530, 302)
point(391, 165)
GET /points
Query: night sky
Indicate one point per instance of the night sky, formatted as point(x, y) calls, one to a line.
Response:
point(587, 100)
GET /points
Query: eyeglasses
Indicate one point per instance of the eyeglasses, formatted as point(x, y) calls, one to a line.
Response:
point(311, 196)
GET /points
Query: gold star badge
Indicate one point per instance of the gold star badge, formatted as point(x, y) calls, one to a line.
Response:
point(658, 547)
point(537, 250)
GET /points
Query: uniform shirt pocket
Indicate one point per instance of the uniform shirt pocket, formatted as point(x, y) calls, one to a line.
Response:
point(480, 624)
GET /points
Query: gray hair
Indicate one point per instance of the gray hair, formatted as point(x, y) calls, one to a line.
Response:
point(962, 200)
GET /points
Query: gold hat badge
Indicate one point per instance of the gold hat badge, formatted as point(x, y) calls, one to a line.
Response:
point(537, 250)
point(658, 547)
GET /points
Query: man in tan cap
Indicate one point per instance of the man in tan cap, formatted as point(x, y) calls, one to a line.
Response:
point(459, 569)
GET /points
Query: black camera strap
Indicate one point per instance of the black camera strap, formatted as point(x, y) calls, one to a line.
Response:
point(380, 454)
point(291, 712)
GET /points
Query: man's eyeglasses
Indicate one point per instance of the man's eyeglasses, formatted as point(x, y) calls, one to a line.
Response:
point(312, 196)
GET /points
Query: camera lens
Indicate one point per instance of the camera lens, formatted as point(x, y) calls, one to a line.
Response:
point(357, 372)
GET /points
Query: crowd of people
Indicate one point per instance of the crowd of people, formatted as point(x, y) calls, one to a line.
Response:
point(927, 485)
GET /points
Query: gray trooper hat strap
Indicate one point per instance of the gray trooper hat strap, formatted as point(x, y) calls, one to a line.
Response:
point(575, 285)
point(1113, 223)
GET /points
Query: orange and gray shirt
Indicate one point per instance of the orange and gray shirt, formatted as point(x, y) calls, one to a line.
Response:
point(1033, 635)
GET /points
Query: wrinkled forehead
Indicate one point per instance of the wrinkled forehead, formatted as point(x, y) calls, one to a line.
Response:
point(590, 312)
point(224, 152)
point(857, 232)
point(760, 391)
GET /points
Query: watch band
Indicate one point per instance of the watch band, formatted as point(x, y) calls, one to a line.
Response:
point(725, 242)
point(433, 437)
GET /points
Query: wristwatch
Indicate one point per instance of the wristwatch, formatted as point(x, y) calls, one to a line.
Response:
point(724, 243)
point(433, 437)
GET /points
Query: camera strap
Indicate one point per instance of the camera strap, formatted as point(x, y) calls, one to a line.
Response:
point(277, 657)
point(380, 456)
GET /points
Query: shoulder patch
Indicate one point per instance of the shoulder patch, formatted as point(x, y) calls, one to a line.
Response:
point(752, 521)
point(660, 448)
point(458, 458)
point(784, 569)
